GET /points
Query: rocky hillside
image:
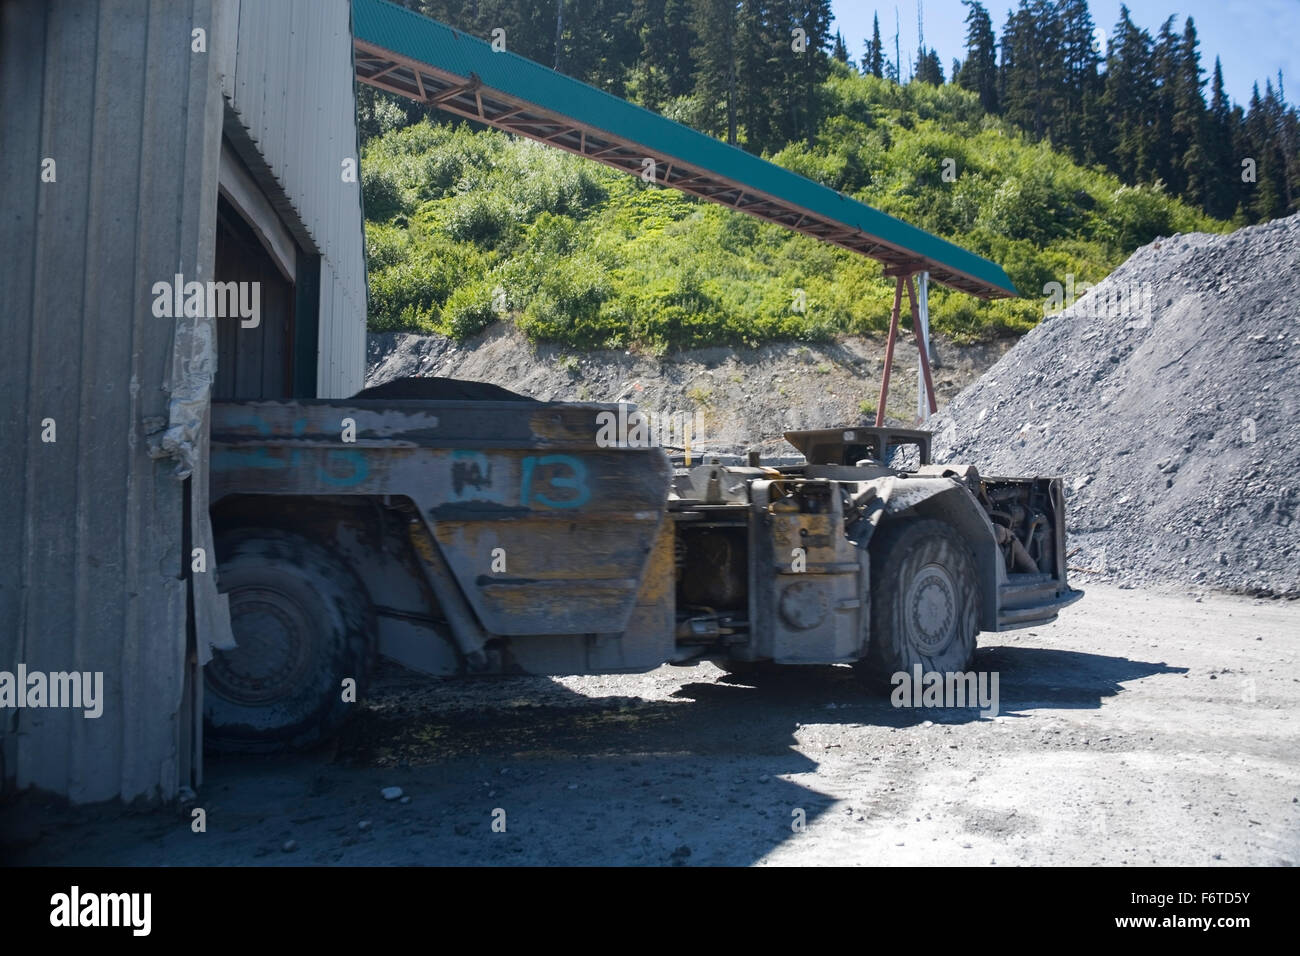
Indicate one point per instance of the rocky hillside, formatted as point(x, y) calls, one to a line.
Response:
point(738, 398)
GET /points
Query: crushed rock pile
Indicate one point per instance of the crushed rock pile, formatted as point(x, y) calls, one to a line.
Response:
point(1166, 397)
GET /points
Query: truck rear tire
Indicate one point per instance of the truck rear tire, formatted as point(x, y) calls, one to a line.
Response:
point(303, 625)
point(925, 600)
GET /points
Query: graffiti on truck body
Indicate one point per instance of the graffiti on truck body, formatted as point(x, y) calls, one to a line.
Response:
point(553, 481)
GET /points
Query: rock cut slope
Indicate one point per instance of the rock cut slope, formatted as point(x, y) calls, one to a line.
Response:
point(739, 398)
point(1167, 398)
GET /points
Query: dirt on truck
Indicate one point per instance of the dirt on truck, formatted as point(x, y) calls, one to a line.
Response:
point(466, 533)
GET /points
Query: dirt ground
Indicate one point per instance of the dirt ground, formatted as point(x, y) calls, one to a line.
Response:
point(1141, 728)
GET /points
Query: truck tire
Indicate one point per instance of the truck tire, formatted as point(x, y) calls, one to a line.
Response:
point(303, 624)
point(925, 600)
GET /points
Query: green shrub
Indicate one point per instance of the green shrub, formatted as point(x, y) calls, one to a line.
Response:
point(567, 305)
point(468, 311)
point(481, 218)
point(381, 195)
point(1136, 215)
point(591, 257)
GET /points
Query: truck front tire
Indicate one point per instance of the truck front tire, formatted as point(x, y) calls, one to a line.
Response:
point(303, 626)
point(925, 600)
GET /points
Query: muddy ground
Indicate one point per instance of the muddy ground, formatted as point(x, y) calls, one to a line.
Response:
point(1139, 729)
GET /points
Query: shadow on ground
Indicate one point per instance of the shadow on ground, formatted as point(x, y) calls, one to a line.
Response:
point(534, 717)
point(632, 770)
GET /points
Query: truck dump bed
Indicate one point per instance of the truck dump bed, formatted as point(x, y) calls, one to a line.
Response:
point(522, 486)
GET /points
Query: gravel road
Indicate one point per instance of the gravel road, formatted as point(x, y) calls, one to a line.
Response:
point(1139, 729)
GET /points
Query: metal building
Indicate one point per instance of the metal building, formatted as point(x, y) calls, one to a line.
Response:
point(149, 146)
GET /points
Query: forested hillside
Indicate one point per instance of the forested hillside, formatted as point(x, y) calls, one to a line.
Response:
point(1145, 107)
point(466, 227)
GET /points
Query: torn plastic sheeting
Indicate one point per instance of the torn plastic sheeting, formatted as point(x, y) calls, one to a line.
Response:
point(184, 437)
point(193, 370)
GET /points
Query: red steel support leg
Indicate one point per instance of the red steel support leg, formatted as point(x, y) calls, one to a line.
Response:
point(920, 346)
point(889, 351)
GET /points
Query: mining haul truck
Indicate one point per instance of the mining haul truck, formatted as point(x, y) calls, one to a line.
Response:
point(503, 536)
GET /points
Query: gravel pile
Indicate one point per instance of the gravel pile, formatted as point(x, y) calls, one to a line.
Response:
point(1167, 398)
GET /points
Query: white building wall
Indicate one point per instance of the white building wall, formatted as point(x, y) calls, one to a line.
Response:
point(290, 81)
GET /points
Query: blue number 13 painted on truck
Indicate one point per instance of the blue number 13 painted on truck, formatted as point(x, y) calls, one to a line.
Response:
point(567, 476)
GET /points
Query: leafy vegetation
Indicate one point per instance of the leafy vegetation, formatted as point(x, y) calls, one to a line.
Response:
point(466, 228)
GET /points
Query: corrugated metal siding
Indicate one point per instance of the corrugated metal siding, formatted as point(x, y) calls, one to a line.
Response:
point(291, 85)
point(92, 564)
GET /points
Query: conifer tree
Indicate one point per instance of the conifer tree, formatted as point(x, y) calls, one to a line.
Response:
point(979, 72)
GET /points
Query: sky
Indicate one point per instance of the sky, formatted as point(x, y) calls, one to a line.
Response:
point(1253, 38)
